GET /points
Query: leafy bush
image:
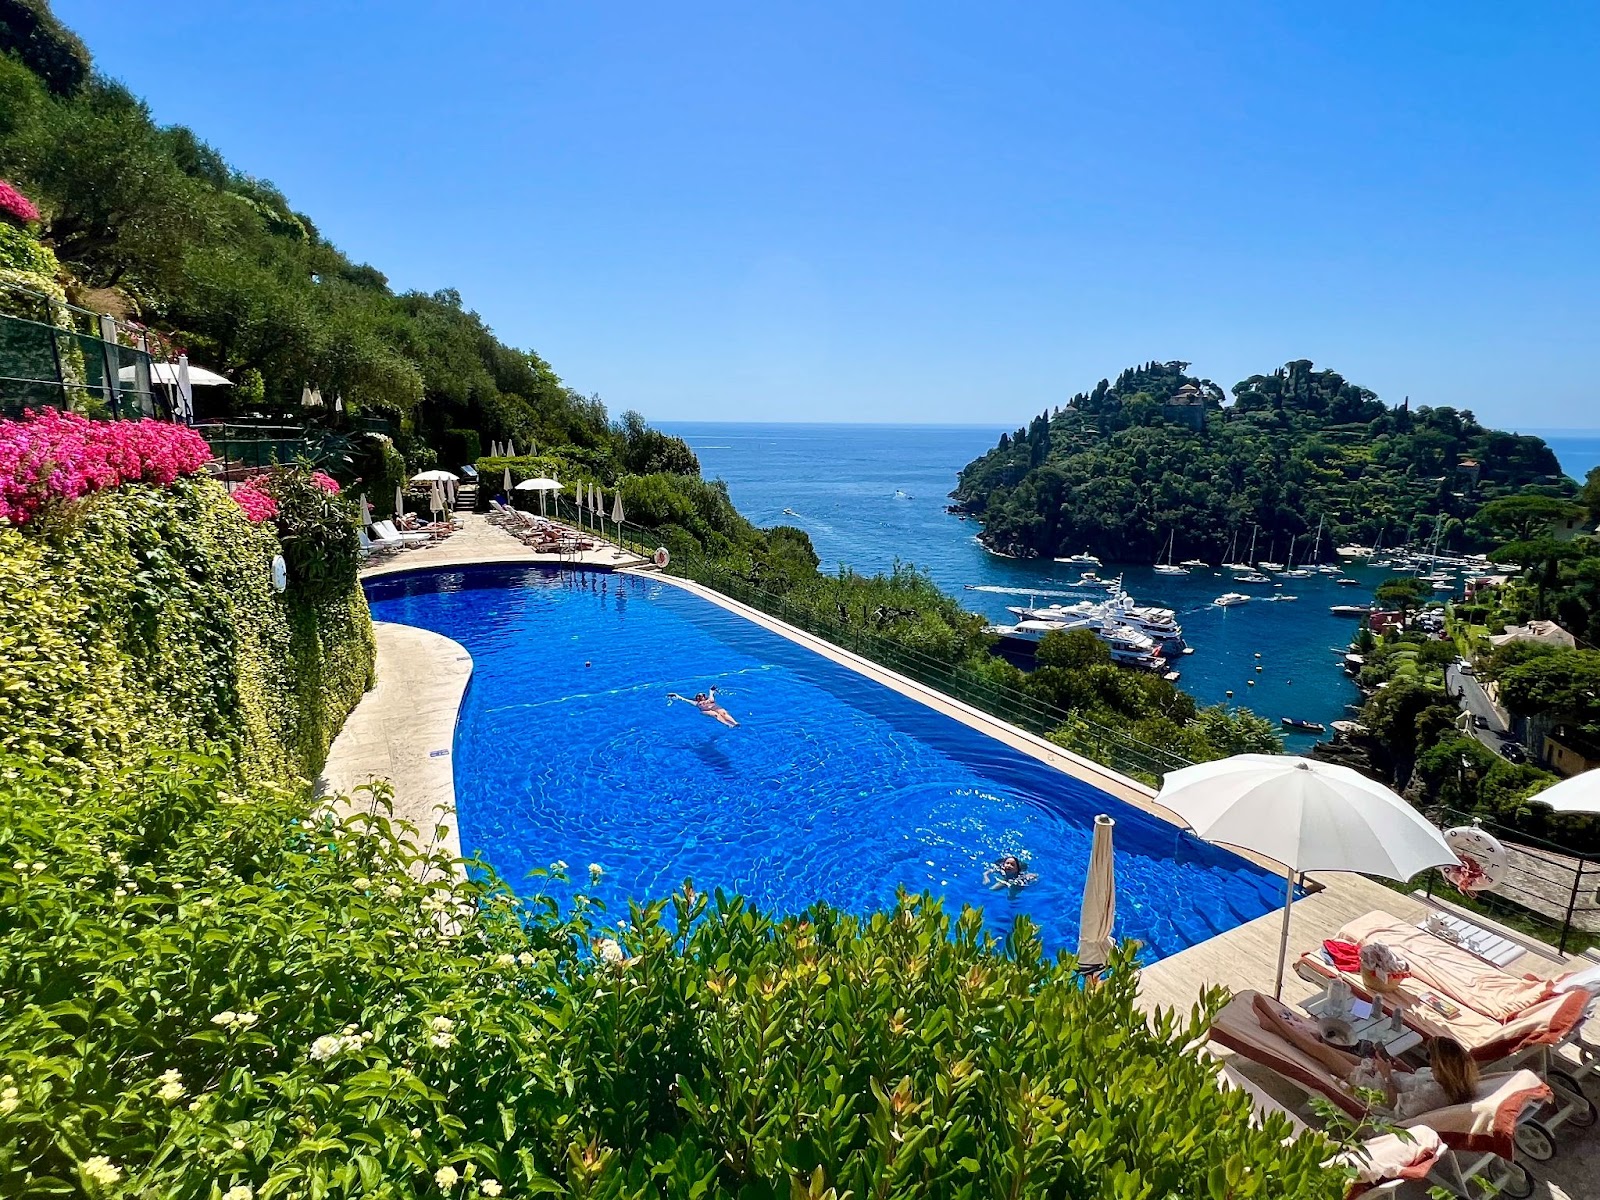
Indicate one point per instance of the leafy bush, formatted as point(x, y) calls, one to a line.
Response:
point(144, 618)
point(320, 543)
point(458, 446)
point(205, 988)
point(19, 251)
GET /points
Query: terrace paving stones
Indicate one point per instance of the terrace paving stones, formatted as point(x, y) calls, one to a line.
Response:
point(403, 729)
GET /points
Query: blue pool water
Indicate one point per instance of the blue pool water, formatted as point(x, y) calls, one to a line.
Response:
point(832, 788)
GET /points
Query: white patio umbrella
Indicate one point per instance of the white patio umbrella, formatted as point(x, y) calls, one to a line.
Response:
point(511, 448)
point(399, 501)
point(436, 499)
point(171, 374)
point(366, 510)
point(1576, 794)
point(506, 486)
point(494, 449)
point(616, 510)
point(600, 509)
point(1099, 898)
point(541, 485)
point(432, 477)
point(1309, 816)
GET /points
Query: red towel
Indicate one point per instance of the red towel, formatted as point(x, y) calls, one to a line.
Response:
point(1346, 955)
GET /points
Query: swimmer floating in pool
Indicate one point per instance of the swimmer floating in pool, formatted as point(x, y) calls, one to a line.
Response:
point(706, 702)
point(1009, 873)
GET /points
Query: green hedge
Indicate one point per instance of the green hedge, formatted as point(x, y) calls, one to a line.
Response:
point(205, 988)
point(144, 618)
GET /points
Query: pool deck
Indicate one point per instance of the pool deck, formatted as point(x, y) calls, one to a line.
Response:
point(396, 730)
point(402, 732)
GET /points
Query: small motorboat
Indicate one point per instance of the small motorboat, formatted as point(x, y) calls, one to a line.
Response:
point(1346, 581)
point(1280, 597)
point(1350, 610)
point(1229, 599)
point(1304, 726)
point(1085, 558)
point(1253, 577)
point(1194, 563)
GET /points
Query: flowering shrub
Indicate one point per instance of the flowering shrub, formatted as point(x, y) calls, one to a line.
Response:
point(149, 620)
point(211, 991)
point(15, 206)
point(319, 539)
point(53, 455)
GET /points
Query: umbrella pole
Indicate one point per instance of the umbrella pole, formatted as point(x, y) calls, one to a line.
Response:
point(1283, 942)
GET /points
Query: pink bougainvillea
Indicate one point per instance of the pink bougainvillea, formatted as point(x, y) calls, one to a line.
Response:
point(54, 455)
point(326, 482)
point(257, 503)
point(15, 205)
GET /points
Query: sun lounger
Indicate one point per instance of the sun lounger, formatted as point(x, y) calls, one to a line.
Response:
point(1493, 1013)
point(376, 545)
point(1485, 1126)
point(386, 531)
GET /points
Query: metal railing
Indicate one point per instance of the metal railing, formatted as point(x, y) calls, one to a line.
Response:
point(1547, 884)
point(1070, 730)
point(56, 355)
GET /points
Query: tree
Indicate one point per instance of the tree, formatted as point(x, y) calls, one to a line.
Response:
point(29, 30)
point(1542, 558)
point(1402, 594)
point(1590, 496)
point(1073, 650)
point(1524, 517)
point(1563, 683)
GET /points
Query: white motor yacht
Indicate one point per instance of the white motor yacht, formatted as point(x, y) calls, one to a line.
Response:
point(1229, 599)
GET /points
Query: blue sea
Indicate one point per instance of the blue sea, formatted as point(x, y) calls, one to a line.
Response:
point(870, 495)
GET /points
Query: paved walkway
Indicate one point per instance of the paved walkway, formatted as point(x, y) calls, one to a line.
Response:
point(403, 730)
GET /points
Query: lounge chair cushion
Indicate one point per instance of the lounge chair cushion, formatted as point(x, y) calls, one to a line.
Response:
point(1449, 970)
point(1392, 1156)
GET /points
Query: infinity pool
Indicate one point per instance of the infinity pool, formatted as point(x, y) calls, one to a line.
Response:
point(832, 788)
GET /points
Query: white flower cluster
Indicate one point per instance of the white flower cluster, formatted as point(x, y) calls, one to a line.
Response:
point(442, 1036)
point(595, 871)
point(100, 1171)
point(10, 1097)
point(490, 1187)
point(331, 1045)
point(230, 1020)
point(240, 1191)
point(559, 865)
point(610, 952)
point(446, 1178)
point(171, 1089)
point(23, 866)
point(394, 891)
point(362, 883)
point(435, 903)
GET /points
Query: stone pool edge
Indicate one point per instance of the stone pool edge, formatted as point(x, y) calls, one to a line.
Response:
point(403, 731)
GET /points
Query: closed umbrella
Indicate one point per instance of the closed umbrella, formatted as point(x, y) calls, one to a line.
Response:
point(366, 510)
point(1099, 899)
point(494, 450)
point(399, 501)
point(511, 448)
point(1577, 794)
point(1309, 816)
point(600, 509)
point(616, 509)
point(507, 483)
point(436, 500)
point(185, 390)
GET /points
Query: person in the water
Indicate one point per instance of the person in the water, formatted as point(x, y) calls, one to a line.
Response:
point(706, 702)
point(1010, 873)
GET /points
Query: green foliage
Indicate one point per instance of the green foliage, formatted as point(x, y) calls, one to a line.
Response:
point(20, 251)
point(317, 531)
point(1403, 593)
point(1524, 517)
point(647, 451)
point(208, 986)
point(1561, 683)
point(1073, 650)
point(460, 446)
point(144, 618)
point(30, 32)
point(1123, 466)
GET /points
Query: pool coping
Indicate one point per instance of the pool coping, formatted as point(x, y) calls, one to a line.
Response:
point(403, 731)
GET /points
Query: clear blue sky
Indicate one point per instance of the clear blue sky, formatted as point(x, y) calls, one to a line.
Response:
point(931, 212)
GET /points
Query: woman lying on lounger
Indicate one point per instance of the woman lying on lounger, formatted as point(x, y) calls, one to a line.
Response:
point(1451, 1077)
point(706, 702)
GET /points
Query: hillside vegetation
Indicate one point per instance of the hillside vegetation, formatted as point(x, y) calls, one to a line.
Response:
point(1121, 467)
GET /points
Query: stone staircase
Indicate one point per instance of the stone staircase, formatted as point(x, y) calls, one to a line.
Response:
point(466, 496)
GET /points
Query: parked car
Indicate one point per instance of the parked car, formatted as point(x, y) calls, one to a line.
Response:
point(1479, 721)
point(1513, 752)
point(1464, 668)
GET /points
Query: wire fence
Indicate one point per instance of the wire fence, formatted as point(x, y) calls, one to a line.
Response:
point(56, 355)
point(1545, 884)
point(1068, 729)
